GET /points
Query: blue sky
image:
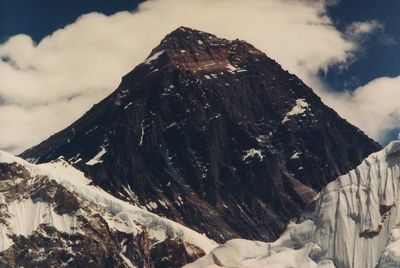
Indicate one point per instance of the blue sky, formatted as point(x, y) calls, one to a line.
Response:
point(39, 18)
point(55, 66)
point(382, 52)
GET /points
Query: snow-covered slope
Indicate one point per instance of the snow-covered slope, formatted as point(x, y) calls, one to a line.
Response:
point(255, 254)
point(55, 194)
point(355, 222)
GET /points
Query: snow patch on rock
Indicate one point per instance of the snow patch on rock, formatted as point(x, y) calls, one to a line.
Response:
point(154, 56)
point(252, 153)
point(233, 69)
point(300, 107)
point(97, 158)
point(296, 155)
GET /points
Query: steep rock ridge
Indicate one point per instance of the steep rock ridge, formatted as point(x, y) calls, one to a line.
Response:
point(355, 223)
point(213, 134)
point(50, 216)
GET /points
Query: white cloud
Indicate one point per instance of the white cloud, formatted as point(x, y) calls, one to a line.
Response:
point(48, 85)
point(23, 126)
point(374, 107)
point(360, 31)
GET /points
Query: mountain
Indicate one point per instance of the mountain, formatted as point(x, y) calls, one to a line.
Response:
point(355, 223)
point(52, 216)
point(213, 134)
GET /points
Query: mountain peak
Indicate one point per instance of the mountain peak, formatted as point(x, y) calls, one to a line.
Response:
point(195, 51)
point(211, 133)
point(184, 38)
point(183, 31)
point(185, 35)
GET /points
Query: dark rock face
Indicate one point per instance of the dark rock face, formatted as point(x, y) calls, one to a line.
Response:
point(48, 247)
point(66, 202)
point(12, 171)
point(99, 247)
point(213, 134)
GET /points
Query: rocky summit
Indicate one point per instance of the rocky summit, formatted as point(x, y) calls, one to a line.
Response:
point(212, 134)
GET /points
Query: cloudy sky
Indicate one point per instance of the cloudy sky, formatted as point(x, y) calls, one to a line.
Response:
point(58, 58)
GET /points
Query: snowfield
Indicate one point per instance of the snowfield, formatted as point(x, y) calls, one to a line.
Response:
point(355, 223)
point(254, 254)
